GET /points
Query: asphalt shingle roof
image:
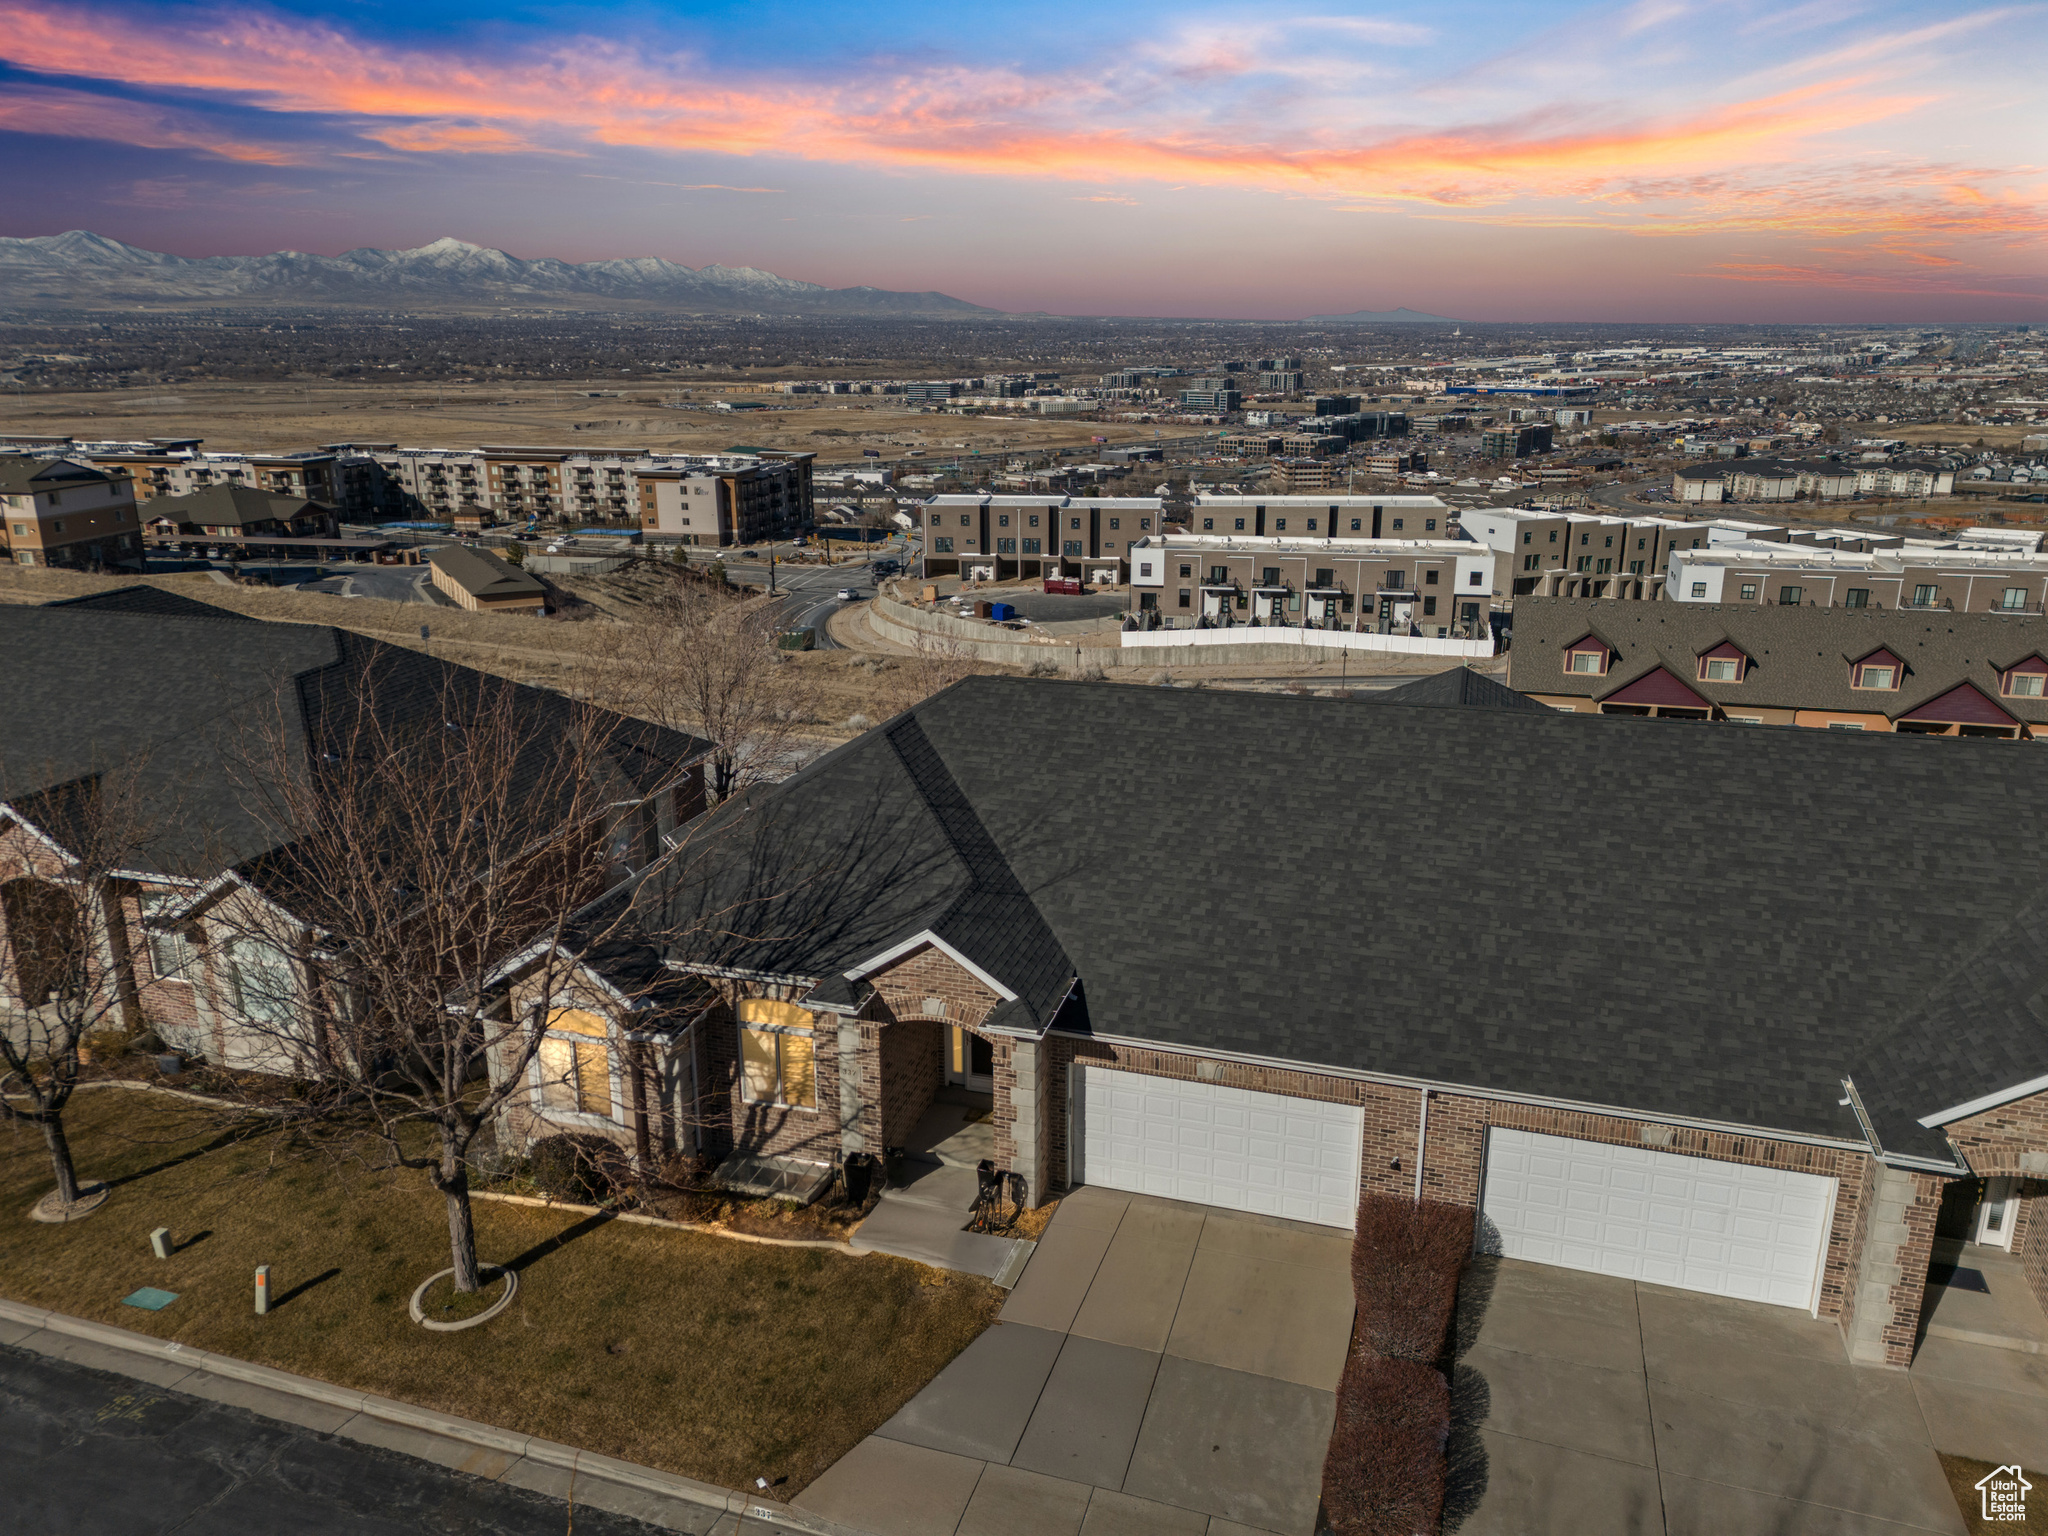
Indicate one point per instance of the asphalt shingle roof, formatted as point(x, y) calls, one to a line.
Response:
point(1692, 921)
point(1799, 657)
point(1456, 688)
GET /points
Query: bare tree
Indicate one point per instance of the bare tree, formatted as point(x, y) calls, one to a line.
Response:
point(935, 663)
point(438, 824)
point(67, 855)
point(708, 664)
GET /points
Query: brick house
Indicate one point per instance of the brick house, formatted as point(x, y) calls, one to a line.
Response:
point(192, 965)
point(1684, 1051)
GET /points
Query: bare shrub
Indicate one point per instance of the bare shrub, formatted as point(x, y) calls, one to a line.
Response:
point(1405, 1262)
point(1043, 669)
point(1385, 1472)
point(858, 722)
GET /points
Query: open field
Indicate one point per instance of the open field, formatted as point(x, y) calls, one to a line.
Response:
point(275, 417)
point(716, 1359)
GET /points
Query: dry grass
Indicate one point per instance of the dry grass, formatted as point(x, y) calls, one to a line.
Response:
point(715, 1359)
point(1963, 1474)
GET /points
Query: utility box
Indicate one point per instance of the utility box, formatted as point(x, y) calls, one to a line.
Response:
point(929, 594)
point(1002, 613)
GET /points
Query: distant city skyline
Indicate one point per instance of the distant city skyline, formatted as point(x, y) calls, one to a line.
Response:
point(1819, 161)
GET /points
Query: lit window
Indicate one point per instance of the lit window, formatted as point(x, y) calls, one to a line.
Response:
point(574, 1064)
point(776, 1054)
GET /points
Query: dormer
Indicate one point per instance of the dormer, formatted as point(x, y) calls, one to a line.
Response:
point(1724, 663)
point(1588, 656)
point(1880, 671)
point(2026, 678)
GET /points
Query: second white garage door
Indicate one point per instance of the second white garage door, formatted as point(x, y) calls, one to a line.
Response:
point(1726, 1228)
point(1213, 1145)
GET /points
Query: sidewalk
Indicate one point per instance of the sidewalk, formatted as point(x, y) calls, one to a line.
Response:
point(525, 1461)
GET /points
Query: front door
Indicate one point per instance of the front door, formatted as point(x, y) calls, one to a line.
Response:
point(1995, 1213)
point(970, 1061)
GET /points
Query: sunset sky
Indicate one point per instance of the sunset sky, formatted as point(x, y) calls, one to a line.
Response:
point(1793, 160)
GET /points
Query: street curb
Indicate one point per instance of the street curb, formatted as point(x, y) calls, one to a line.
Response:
point(549, 1453)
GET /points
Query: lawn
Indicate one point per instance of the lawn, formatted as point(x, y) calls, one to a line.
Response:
point(720, 1360)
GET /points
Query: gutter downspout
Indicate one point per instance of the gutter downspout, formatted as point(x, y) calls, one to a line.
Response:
point(1421, 1144)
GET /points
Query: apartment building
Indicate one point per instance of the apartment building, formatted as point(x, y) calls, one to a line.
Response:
point(723, 499)
point(1003, 538)
point(1579, 554)
point(343, 478)
point(1329, 516)
point(1976, 674)
point(1442, 588)
point(1762, 479)
point(1954, 578)
point(60, 512)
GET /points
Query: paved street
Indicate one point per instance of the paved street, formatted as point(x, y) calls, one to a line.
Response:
point(94, 1454)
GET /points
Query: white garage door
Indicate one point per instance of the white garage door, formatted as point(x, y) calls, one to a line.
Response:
point(1732, 1230)
point(1231, 1147)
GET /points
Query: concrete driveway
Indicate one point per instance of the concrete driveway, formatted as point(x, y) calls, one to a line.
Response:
point(1159, 1367)
point(1587, 1403)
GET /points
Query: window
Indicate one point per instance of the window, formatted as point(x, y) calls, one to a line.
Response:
point(170, 952)
point(1585, 661)
point(1003, 521)
point(2013, 597)
point(1530, 562)
point(966, 520)
point(1856, 597)
point(1279, 525)
point(1072, 547)
point(1209, 525)
point(1074, 522)
point(57, 526)
point(1034, 519)
point(1923, 597)
point(1240, 525)
point(1748, 591)
point(1429, 605)
point(935, 519)
point(2024, 685)
point(942, 546)
point(1877, 677)
point(776, 1064)
point(1585, 563)
point(1397, 525)
point(1640, 543)
point(1844, 725)
point(1311, 525)
point(573, 1067)
point(1355, 525)
point(1528, 538)
point(21, 530)
point(1006, 546)
point(1031, 545)
point(1585, 539)
point(1553, 535)
point(1610, 541)
point(1790, 597)
point(1429, 526)
point(1109, 543)
point(1723, 669)
point(1114, 522)
point(1186, 571)
point(1144, 523)
point(1429, 578)
point(1184, 597)
point(260, 984)
point(1477, 579)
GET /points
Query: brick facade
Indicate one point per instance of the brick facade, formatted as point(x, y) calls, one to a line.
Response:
point(2012, 1141)
point(772, 1130)
point(1455, 1152)
point(913, 1065)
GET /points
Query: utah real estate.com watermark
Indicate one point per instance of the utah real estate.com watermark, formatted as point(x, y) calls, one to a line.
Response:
point(2004, 1495)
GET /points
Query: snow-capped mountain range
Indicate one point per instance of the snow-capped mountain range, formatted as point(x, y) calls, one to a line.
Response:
point(79, 269)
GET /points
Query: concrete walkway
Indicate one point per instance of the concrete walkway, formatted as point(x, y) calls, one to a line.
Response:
point(1588, 1403)
point(923, 1219)
point(1159, 1367)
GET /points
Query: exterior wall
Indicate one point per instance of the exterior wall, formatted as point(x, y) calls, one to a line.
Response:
point(932, 973)
point(769, 1130)
point(912, 1053)
point(1455, 1153)
point(2012, 1141)
point(642, 1118)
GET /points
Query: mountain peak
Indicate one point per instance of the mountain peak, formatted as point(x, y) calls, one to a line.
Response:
point(81, 269)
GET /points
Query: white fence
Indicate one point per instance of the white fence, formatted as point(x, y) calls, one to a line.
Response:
point(1332, 639)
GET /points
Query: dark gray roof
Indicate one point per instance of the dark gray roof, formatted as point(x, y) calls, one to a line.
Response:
point(189, 702)
point(22, 475)
point(1698, 922)
point(1455, 687)
point(149, 600)
point(228, 506)
point(482, 574)
point(1799, 656)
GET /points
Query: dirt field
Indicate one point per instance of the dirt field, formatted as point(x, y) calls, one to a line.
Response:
point(278, 417)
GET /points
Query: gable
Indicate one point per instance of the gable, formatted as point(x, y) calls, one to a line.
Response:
point(913, 984)
point(1661, 687)
point(1964, 704)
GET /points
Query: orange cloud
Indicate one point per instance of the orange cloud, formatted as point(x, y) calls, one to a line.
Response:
point(72, 114)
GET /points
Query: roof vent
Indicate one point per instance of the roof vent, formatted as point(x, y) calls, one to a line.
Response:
point(935, 1007)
